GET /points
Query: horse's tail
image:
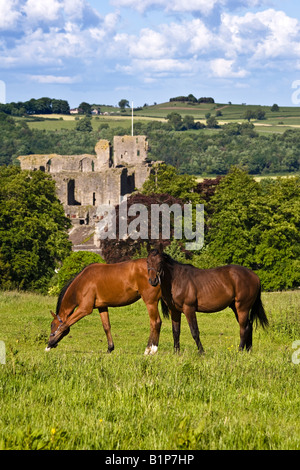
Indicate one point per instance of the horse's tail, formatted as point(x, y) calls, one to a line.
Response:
point(165, 309)
point(258, 312)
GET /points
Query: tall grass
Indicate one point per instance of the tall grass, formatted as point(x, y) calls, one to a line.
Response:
point(79, 397)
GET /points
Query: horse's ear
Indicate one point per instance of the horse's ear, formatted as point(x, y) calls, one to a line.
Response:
point(53, 314)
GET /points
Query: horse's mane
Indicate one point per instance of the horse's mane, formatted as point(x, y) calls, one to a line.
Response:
point(64, 289)
point(167, 258)
point(62, 293)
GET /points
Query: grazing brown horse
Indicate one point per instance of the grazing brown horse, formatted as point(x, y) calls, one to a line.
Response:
point(102, 286)
point(188, 289)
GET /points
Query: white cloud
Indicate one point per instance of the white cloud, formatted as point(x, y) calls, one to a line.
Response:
point(38, 48)
point(54, 79)
point(9, 14)
point(204, 7)
point(283, 35)
point(63, 33)
point(71, 36)
point(263, 35)
point(46, 10)
point(150, 45)
point(222, 68)
point(151, 69)
point(74, 8)
point(170, 41)
point(232, 50)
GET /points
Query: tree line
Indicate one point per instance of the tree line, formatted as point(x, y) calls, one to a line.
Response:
point(36, 106)
point(203, 153)
point(192, 99)
point(17, 139)
point(189, 151)
point(254, 224)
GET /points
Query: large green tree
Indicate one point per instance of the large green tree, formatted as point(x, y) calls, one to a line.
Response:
point(257, 225)
point(167, 180)
point(33, 229)
point(277, 249)
point(234, 213)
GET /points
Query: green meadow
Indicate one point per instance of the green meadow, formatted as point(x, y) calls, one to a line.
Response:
point(79, 397)
point(278, 122)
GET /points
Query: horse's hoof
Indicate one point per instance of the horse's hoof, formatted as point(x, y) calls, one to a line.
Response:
point(150, 351)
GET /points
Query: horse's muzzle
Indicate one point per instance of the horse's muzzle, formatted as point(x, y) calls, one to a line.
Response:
point(53, 342)
point(154, 282)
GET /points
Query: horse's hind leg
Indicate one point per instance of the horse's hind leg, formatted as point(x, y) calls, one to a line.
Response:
point(245, 329)
point(245, 335)
point(242, 316)
point(106, 326)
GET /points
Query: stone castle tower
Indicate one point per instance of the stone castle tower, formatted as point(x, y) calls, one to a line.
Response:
point(84, 182)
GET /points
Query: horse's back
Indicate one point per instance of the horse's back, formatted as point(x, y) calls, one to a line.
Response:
point(216, 288)
point(117, 284)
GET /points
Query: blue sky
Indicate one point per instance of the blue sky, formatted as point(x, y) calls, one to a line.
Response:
point(148, 51)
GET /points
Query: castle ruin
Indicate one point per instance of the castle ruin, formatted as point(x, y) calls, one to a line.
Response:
point(84, 182)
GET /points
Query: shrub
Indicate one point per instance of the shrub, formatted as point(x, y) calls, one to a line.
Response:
point(72, 265)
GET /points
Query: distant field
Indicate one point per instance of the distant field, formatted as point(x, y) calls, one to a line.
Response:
point(57, 122)
point(79, 397)
point(287, 117)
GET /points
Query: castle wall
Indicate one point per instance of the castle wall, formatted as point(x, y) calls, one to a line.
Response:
point(83, 182)
point(130, 150)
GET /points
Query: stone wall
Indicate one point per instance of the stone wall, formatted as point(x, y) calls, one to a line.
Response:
point(84, 182)
point(130, 150)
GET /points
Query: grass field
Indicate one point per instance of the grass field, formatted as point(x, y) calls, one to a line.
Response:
point(278, 122)
point(79, 397)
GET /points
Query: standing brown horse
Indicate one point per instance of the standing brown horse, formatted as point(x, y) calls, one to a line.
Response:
point(188, 289)
point(102, 286)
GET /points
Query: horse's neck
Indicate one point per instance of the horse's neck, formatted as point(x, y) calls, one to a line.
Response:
point(169, 273)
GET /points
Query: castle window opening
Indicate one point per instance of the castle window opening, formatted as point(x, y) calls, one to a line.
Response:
point(94, 199)
point(42, 168)
point(71, 194)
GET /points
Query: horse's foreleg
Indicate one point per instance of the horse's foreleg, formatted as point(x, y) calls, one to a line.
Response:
point(106, 326)
point(155, 325)
point(190, 314)
point(176, 322)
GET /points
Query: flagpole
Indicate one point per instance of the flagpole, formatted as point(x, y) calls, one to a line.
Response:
point(132, 121)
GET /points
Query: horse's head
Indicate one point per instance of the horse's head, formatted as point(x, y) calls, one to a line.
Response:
point(155, 267)
point(58, 331)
